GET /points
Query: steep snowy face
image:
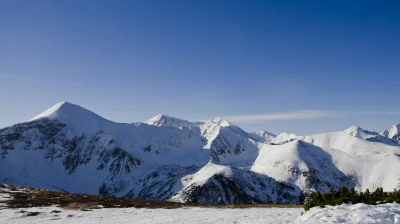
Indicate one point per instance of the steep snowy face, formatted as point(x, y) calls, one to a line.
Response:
point(164, 120)
point(227, 147)
point(218, 184)
point(262, 136)
point(393, 132)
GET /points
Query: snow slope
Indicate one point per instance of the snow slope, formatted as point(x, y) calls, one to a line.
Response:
point(365, 162)
point(357, 214)
point(332, 159)
point(300, 164)
point(172, 216)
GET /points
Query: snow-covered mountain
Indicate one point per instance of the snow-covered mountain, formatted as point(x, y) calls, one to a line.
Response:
point(373, 136)
point(164, 120)
point(284, 137)
point(70, 148)
point(392, 132)
point(262, 136)
point(358, 132)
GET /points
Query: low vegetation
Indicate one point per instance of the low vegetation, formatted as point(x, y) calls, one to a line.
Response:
point(25, 197)
point(344, 195)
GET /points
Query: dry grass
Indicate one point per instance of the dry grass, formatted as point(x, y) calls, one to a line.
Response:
point(30, 197)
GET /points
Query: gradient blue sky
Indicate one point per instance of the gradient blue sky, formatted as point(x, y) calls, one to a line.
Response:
point(130, 60)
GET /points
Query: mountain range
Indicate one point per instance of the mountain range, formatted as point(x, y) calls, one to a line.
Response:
point(69, 148)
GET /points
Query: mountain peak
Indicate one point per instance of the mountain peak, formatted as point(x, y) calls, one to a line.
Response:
point(68, 112)
point(285, 137)
point(392, 132)
point(262, 136)
point(165, 120)
point(264, 133)
point(55, 110)
point(353, 130)
point(222, 122)
point(358, 132)
point(163, 116)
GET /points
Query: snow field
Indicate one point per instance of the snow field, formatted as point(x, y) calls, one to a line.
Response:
point(134, 215)
point(355, 214)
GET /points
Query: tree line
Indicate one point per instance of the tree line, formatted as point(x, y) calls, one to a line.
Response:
point(344, 195)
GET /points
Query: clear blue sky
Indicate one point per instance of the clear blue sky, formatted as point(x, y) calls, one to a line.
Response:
point(130, 60)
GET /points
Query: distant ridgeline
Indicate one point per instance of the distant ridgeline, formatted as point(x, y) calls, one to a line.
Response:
point(344, 195)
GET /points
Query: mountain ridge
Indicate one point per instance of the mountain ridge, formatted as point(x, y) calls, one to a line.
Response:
point(165, 120)
point(212, 162)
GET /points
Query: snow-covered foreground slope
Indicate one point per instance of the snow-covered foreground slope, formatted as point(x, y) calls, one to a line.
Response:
point(354, 214)
point(28, 205)
point(357, 214)
point(86, 212)
point(172, 216)
point(73, 149)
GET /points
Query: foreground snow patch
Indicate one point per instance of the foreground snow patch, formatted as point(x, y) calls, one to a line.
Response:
point(358, 213)
point(133, 215)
